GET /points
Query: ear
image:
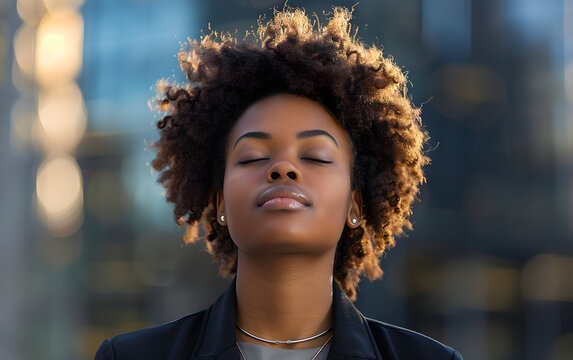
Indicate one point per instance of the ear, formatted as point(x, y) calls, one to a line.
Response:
point(221, 216)
point(354, 217)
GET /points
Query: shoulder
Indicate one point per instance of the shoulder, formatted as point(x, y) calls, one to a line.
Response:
point(395, 342)
point(177, 337)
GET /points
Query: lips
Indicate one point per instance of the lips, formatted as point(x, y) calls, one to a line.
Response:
point(283, 197)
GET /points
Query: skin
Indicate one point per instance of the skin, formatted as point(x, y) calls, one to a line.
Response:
point(286, 199)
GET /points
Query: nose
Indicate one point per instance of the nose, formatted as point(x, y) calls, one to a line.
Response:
point(283, 170)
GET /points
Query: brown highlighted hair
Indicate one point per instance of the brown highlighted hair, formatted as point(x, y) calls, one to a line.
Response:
point(364, 90)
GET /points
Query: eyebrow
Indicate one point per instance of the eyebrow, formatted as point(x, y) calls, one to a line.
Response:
point(300, 135)
point(313, 133)
point(252, 135)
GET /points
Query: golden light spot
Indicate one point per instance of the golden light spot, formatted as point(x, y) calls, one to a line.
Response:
point(59, 193)
point(62, 117)
point(59, 47)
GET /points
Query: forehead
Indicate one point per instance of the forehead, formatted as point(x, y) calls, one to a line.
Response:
point(285, 113)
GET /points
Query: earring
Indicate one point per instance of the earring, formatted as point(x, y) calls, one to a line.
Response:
point(222, 218)
point(354, 221)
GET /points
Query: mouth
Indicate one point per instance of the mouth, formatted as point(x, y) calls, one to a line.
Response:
point(283, 197)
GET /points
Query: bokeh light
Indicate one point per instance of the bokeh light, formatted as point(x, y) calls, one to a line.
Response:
point(59, 193)
point(62, 116)
point(23, 83)
point(24, 48)
point(54, 5)
point(30, 10)
point(59, 47)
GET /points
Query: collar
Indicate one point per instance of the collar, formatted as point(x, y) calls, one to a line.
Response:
point(352, 337)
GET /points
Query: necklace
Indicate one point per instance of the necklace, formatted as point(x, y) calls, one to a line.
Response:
point(314, 357)
point(288, 342)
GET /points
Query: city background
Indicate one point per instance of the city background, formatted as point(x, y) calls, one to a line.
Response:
point(89, 248)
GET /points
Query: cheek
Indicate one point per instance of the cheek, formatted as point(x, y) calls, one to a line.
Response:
point(337, 195)
point(237, 192)
point(232, 195)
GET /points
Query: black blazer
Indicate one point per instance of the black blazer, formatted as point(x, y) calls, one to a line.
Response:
point(210, 334)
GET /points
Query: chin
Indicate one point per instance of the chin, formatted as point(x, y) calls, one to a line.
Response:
point(286, 237)
point(288, 245)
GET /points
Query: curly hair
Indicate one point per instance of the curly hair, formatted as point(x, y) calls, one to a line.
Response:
point(290, 53)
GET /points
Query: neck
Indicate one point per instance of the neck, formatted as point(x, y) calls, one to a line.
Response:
point(284, 297)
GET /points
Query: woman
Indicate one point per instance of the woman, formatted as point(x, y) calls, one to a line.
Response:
point(301, 154)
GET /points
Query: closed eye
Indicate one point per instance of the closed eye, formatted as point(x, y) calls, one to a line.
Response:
point(317, 160)
point(250, 161)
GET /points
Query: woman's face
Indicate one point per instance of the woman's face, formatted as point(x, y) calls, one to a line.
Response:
point(287, 178)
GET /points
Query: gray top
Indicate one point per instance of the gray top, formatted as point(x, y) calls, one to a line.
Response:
point(261, 352)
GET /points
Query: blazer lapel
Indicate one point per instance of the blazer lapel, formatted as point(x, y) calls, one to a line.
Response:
point(352, 336)
point(218, 338)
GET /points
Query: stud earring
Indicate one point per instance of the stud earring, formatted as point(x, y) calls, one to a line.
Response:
point(222, 218)
point(354, 221)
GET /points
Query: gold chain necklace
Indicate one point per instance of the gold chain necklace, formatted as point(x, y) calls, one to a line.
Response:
point(314, 357)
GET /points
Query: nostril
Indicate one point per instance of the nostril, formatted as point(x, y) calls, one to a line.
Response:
point(291, 175)
point(275, 175)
